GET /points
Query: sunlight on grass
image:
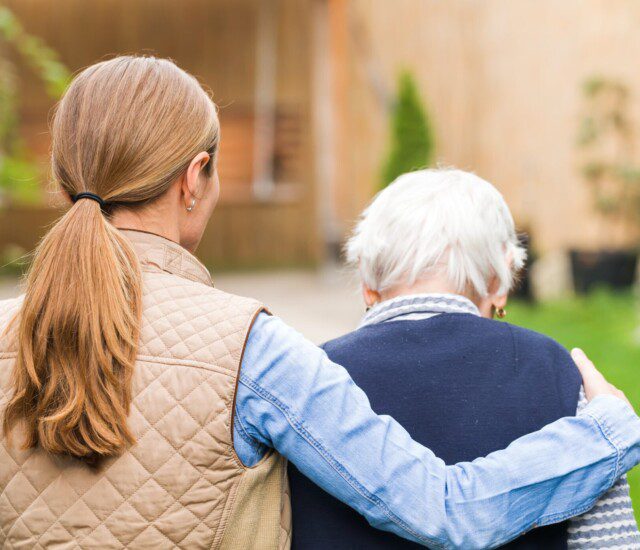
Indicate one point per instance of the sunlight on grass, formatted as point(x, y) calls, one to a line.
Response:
point(607, 327)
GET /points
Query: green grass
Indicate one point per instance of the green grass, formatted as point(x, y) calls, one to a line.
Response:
point(607, 327)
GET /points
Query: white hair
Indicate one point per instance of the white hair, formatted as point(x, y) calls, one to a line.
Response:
point(446, 222)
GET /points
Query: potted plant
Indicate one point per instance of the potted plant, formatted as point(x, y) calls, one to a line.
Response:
point(606, 141)
point(523, 288)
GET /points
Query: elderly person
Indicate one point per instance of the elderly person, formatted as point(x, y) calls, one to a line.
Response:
point(437, 254)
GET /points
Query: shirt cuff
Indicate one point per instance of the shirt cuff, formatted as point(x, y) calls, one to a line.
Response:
point(620, 425)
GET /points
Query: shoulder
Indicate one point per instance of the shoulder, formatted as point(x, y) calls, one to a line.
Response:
point(165, 290)
point(528, 349)
point(188, 320)
point(8, 311)
point(271, 338)
point(9, 308)
point(379, 334)
point(530, 341)
point(278, 358)
point(526, 343)
point(362, 337)
point(545, 354)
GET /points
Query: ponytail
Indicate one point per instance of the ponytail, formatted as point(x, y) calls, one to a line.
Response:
point(77, 339)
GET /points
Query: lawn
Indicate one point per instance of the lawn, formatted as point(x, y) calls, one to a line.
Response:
point(607, 327)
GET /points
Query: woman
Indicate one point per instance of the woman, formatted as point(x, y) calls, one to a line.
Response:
point(142, 407)
point(437, 253)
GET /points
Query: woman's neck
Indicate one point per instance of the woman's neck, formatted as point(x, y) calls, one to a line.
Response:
point(150, 221)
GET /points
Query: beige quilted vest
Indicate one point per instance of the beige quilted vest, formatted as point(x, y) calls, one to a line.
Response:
point(181, 485)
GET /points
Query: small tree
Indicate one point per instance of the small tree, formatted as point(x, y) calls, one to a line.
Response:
point(412, 142)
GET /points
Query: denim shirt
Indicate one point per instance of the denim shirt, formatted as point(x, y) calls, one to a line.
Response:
point(292, 398)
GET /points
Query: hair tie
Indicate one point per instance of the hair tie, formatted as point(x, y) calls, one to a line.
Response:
point(91, 196)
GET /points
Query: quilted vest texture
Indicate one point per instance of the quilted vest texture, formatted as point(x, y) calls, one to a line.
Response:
point(181, 484)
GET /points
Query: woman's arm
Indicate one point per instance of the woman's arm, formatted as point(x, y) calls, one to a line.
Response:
point(292, 398)
point(611, 522)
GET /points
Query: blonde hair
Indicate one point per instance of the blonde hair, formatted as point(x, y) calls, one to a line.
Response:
point(125, 130)
point(440, 221)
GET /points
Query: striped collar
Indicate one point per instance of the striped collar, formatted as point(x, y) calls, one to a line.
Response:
point(418, 306)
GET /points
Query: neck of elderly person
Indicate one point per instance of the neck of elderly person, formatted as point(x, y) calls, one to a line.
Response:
point(438, 232)
point(438, 284)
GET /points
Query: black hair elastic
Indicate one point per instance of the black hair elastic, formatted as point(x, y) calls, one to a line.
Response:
point(91, 196)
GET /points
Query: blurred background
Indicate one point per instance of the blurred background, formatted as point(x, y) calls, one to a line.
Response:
point(324, 102)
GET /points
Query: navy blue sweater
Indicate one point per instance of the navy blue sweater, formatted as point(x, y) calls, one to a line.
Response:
point(461, 385)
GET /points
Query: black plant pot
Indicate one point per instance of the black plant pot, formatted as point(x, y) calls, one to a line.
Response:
point(523, 288)
point(611, 268)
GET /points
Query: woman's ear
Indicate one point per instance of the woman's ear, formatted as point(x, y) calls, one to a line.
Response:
point(371, 297)
point(191, 181)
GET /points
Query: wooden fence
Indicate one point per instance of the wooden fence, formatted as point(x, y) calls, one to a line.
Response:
point(502, 81)
point(216, 40)
point(241, 235)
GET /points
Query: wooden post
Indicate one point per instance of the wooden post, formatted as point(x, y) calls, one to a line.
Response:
point(324, 123)
point(339, 54)
point(265, 102)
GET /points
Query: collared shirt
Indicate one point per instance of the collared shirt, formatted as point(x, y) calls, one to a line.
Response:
point(293, 399)
point(417, 307)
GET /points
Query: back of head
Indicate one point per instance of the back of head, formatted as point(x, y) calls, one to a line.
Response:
point(125, 130)
point(445, 222)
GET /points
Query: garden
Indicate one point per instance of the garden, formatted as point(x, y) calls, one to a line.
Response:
point(602, 321)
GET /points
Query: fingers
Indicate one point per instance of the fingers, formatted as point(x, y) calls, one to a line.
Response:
point(587, 369)
point(592, 379)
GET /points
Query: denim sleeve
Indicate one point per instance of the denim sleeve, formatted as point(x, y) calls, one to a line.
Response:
point(611, 522)
point(292, 398)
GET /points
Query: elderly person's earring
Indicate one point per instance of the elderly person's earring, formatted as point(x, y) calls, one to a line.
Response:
point(193, 203)
point(501, 313)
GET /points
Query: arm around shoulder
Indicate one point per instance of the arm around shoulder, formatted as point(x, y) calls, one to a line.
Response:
point(294, 399)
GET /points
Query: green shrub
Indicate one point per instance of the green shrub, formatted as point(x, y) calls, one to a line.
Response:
point(20, 174)
point(412, 142)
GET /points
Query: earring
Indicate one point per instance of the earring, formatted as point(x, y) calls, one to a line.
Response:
point(501, 313)
point(193, 203)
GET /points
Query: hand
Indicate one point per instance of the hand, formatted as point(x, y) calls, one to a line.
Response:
point(594, 383)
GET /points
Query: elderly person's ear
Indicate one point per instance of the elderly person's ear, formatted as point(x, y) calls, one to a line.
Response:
point(371, 297)
point(499, 305)
point(494, 303)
